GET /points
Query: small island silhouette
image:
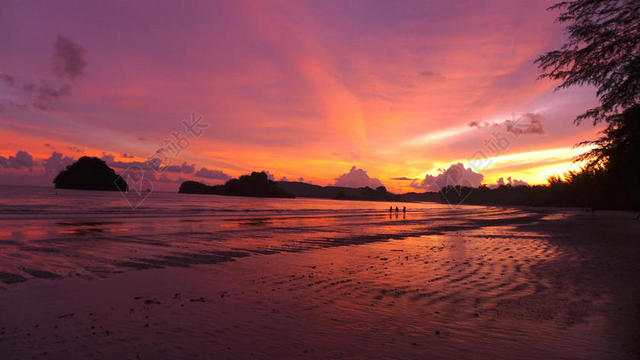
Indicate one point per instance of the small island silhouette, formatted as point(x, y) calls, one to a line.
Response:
point(90, 173)
point(256, 185)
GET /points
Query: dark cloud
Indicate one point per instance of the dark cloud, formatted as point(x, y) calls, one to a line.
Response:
point(41, 95)
point(133, 165)
point(270, 176)
point(45, 96)
point(9, 80)
point(184, 168)
point(108, 158)
point(138, 174)
point(516, 182)
point(483, 125)
point(56, 163)
point(42, 170)
point(165, 179)
point(68, 63)
point(431, 75)
point(147, 167)
point(357, 178)
point(68, 58)
point(127, 156)
point(456, 174)
point(527, 124)
point(212, 174)
point(510, 182)
point(22, 159)
point(38, 172)
point(403, 178)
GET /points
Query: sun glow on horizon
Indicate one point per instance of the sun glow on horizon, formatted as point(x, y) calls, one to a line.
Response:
point(533, 167)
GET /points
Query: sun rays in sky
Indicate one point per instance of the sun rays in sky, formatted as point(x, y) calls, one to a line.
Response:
point(301, 89)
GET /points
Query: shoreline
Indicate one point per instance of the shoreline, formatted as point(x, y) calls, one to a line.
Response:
point(521, 206)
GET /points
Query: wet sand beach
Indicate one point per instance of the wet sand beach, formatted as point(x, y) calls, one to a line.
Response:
point(439, 283)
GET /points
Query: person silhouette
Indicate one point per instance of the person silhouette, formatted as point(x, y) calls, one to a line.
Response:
point(404, 209)
point(397, 209)
point(390, 209)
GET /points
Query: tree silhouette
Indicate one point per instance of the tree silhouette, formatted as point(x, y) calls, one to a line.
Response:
point(603, 50)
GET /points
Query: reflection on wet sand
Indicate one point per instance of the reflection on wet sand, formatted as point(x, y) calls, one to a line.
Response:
point(439, 282)
point(92, 248)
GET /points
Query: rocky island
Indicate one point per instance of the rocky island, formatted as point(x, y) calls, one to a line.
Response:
point(90, 173)
point(256, 185)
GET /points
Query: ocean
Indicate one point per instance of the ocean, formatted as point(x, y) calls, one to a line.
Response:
point(166, 275)
point(47, 232)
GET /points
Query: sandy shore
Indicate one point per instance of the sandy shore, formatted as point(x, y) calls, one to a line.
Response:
point(539, 285)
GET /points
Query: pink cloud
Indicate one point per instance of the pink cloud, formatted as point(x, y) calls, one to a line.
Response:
point(455, 175)
point(357, 178)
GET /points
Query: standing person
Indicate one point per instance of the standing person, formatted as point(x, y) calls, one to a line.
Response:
point(390, 209)
point(397, 209)
point(404, 209)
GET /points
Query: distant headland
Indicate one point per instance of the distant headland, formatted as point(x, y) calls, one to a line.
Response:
point(255, 185)
point(301, 189)
point(90, 173)
point(258, 185)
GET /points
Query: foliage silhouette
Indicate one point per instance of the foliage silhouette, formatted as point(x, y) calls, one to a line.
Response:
point(603, 50)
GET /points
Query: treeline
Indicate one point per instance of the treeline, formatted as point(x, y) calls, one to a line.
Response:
point(590, 188)
point(601, 50)
point(610, 180)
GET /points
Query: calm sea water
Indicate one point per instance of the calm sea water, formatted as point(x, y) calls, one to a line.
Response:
point(435, 282)
point(46, 232)
point(18, 202)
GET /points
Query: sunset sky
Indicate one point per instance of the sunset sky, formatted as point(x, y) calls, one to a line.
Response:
point(386, 90)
